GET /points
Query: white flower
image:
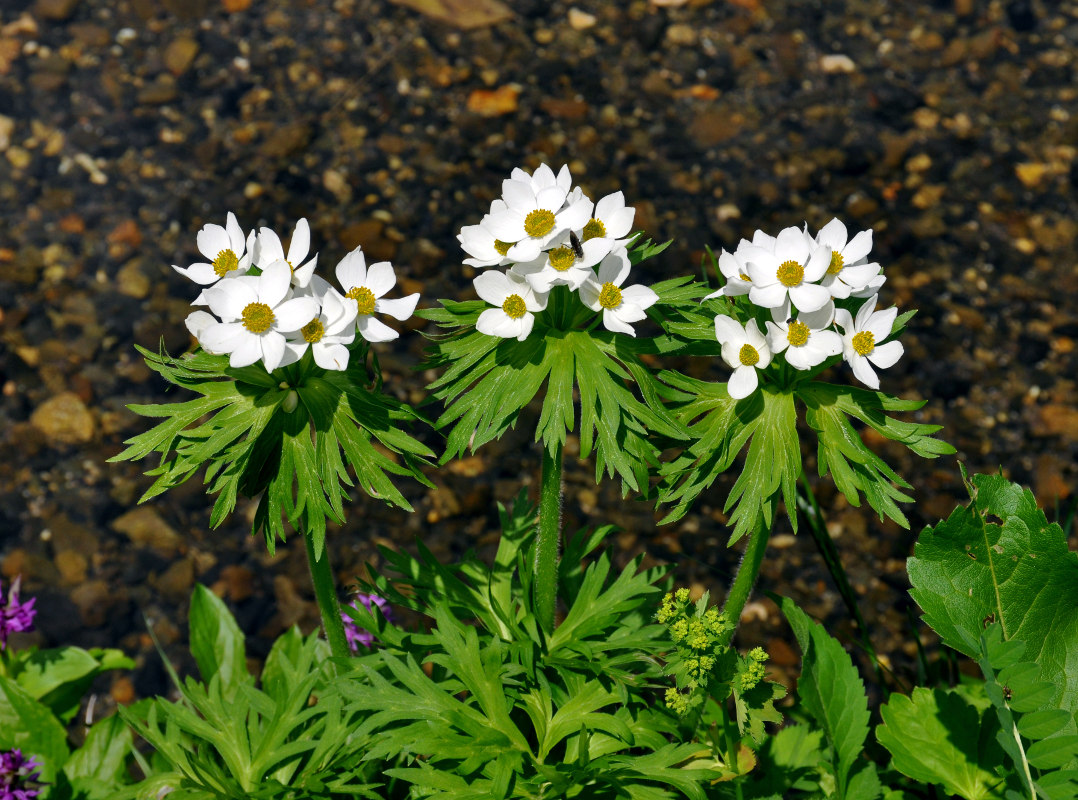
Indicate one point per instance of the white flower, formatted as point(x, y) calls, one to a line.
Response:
point(745, 350)
point(228, 253)
point(257, 312)
point(517, 303)
point(733, 268)
point(270, 250)
point(848, 270)
point(611, 221)
point(543, 177)
point(805, 340)
point(366, 286)
point(561, 266)
point(870, 288)
point(790, 271)
point(328, 332)
point(536, 215)
point(860, 341)
point(620, 307)
point(197, 322)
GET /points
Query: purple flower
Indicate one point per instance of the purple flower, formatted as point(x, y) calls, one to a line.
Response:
point(16, 773)
point(356, 635)
point(15, 617)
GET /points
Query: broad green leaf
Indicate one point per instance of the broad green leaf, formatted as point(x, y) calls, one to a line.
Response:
point(27, 724)
point(831, 691)
point(217, 641)
point(998, 559)
point(937, 737)
point(100, 764)
point(59, 677)
point(1053, 752)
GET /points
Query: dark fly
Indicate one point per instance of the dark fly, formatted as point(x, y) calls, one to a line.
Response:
point(574, 242)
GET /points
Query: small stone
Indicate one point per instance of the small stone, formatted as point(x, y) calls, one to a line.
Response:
point(145, 527)
point(161, 91)
point(337, 184)
point(235, 6)
point(94, 600)
point(237, 583)
point(58, 10)
point(175, 583)
point(466, 14)
point(919, 163)
point(837, 63)
point(498, 102)
point(19, 157)
point(65, 419)
point(72, 567)
point(1057, 419)
point(1031, 173)
point(122, 690)
point(782, 654)
point(782, 541)
point(7, 127)
point(581, 20)
point(926, 119)
point(1049, 484)
point(928, 196)
point(682, 35)
point(132, 281)
point(179, 55)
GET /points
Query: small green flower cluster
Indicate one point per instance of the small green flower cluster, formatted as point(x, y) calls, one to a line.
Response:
point(750, 670)
point(697, 632)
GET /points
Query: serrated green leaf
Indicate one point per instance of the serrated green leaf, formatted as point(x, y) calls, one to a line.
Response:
point(968, 570)
point(937, 737)
point(217, 642)
point(27, 724)
point(831, 691)
point(100, 764)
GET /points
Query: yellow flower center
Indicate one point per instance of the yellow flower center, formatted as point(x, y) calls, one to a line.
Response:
point(610, 296)
point(539, 222)
point(225, 262)
point(514, 307)
point(748, 355)
point(501, 248)
point(744, 277)
point(595, 229)
point(836, 263)
point(313, 331)
point(562, 258)
point(798, 333)
point(790, 273)
point(258, 317)
point(364, 298)
point(864, 343)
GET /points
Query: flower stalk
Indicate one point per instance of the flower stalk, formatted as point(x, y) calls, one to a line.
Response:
point(747, 573)
point(547, 546)
point(326, 594)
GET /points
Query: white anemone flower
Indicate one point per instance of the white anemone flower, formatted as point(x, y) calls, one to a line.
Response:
point(328, 332)
point(849, 269)
point(620, 307)
point(516, 303)
point(366, 286)
point(543, 177)
point(734, 269)
point(745, 350)
point(256, 313)
point(564, 265)
point(228, 252)
point(805, 340)
point(861, 337)
point(611, 221)
point(536, 217)
point(483, 249)
point(270, 250)
point(790, 271)
point(197, 322)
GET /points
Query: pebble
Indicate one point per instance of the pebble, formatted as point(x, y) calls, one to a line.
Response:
point(495, 103)
point(1057, 419)
point(837, 63)
point(179, 55)
point(175, 583)
point(56, 10)
point(64, 419)
point(581, 20)
point(7, 127)
point(145, 528)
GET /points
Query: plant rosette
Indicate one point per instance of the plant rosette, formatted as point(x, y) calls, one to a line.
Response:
point(789, 308)
point(285, 393)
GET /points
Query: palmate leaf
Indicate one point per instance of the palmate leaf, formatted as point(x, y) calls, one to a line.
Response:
point(489, 381)
point(853, 466)
point(970, 570)
point(721, 427)
point(241, 432)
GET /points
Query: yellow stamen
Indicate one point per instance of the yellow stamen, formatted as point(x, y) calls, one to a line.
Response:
point(313, 331)
point(514, 306)
point(748, 355)
point(539, 222)
point(798, 333)
point(364, 298)
point(258, 317)
point(864, 343)
point(562, 258)
point(225, 262)
point(790, 273)
point(595, 229)
point(501, 248)
point(836, 263)
point(610, 296)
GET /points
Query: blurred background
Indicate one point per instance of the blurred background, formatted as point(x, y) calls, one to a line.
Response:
point(948, 127)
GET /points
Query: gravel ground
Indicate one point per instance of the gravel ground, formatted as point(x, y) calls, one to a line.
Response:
point(950, 128)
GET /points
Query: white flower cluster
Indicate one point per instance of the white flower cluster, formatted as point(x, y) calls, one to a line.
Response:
point(276, 315)
point(797, 272)
point(549, 234)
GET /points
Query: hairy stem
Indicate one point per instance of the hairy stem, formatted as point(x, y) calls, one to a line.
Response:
point(747, 572)
point(547, 546)
point(326, 594)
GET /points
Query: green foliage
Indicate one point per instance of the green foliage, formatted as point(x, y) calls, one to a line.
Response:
point(969, 571)
point(832, 693)
point(226, 738)
point(241, 430)
point(59, 677)
point(501, 710)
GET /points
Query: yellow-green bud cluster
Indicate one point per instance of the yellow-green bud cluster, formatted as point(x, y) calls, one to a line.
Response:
point(751, 669)
point(677, 702)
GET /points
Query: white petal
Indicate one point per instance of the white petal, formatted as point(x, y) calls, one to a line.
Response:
point(809, 297)
point(729, 330)
point(526, 323)
point(274, 283)
point(301, 276)
point(518, 194)
point(494, 287)
point(398, 309)
point(817, 264)
point(859, 275)
point(864, 372)
point(198, 321)
point(293, 352)
point(524, 250)
point(881, 323)
point(301, 242)
point(620, 222)
point(858, 248)
point(495, 322)
point(820, 318)
point(373, 330)
point(614, 268)
point(803, 357)
point(330, 356)
point(864, 313)
point(743, 382)
point(235, 233)
point(352, 270)
point(844, 320)
point(612, 323)
point(269, 247)
point(508, 226)
point(247, 351)
point(790, 245)
point(767, 296)
point(273, 349)
point(201, 273)
point(833, 234)
point(229, 297)
point(827, 342)
point(380, 278)
point(295, 313)
point(212, 239)
point(755, 337)
point(638, 295)
point(589, 294)
point(778, 337)
point(885, 355)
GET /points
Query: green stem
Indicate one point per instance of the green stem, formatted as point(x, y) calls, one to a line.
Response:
point(326, 594)
point(547, 546)
point(746, 576)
